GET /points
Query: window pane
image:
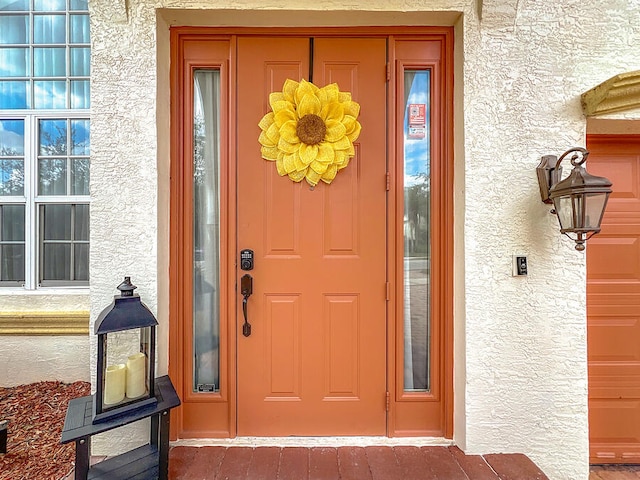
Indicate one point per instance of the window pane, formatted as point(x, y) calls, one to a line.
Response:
point(53, 137)
point(81, 261)
point(206, 231)
point(52, 176)
point(14, 62)
point(80, 137)
point(49, 5)
point(12, 263)
point(50, 94)
point(80, 94)
point(56, 221)
point(81, 227)
point(13, 94)
point(417, 246)
point(14, 5)
point(12, 177)
point(12, 223)
point(49, 62)
point(79, 5)
point(79, 29)
point(80, 61)
point(11, 137)
point(80, 176)
point(56, 261)
point(49, 29)
point(12, 249)
point(15, 29)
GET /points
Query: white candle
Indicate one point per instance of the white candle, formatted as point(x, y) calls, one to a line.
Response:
point(114, 383)
point(136, 384)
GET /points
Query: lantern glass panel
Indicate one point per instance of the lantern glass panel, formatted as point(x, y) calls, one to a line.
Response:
point(564, 209)
point(126, 377)
point(594, 209)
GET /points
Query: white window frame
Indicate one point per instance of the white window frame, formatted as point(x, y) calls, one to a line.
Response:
point(32, 200)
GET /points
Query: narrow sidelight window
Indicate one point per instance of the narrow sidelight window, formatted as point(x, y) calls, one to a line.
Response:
point(417, 232)
point(206, 231)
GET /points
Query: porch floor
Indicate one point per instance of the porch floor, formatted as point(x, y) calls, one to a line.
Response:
point(342, 463)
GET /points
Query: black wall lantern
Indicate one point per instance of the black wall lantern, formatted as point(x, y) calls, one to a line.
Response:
point(125, 367)
point(579, 200)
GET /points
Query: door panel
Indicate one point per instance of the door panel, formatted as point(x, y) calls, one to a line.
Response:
point(315, 363)
point(613, 305)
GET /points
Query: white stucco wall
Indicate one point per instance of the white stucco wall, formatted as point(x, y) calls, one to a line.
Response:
point(33, 358)
point(520, 345)
point(29, 358)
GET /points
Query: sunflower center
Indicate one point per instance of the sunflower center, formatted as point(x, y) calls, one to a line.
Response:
point(311, 129)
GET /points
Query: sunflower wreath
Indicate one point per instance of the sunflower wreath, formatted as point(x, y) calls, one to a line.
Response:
point(310, 131)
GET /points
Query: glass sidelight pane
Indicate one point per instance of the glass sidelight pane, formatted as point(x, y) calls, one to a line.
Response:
point(206, 231)
point(12, 244)
point(417, 241)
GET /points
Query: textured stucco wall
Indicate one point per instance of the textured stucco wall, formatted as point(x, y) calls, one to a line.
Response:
point(520, 362)
point(27, 359)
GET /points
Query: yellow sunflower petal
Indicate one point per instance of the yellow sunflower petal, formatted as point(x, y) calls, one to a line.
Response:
point(309, 104)
point(280, 167)
point(286, 147)
point(344, 164)
point(265, 141)
point(355, 132)
point(340, 158)
point(319, 167)
point(349, 123)
point(308, 153)
point(305, 88)
point(297, 176)
point(266, 121)
point(330, 174)
point(351, 108)
point(329, 93)
point(343, 143)
point(288, 132)
point(335, 131)
point(344, 96)
point(284, 116)
point(281, 105)
point(270, 153)
point(289, 163)
point(289, 89)
point(312, 177)
point(276, 97)
point(326, 153)
point(272, 134)
point(332, 111)
point(300, 166)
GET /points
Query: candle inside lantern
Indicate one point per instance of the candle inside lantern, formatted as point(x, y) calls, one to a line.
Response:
point(136, 385)
point(114, 384)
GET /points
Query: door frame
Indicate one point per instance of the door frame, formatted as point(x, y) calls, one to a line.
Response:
point(206, 46)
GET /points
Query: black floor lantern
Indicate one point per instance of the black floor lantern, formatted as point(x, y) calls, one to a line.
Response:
point(125, 375)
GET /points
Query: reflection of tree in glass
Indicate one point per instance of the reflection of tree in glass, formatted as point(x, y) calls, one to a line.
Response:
point(199, 174)
point(418, 211)
point(11, 173)
point(53, 172)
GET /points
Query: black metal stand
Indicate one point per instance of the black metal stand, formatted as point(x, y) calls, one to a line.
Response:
point(150, 461)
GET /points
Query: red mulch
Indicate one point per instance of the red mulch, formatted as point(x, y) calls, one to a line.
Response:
point(36, 415)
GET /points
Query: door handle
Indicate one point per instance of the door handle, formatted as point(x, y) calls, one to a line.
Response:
point(246, 289)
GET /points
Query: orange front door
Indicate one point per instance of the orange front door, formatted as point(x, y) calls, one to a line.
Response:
point(613, 305)
point(315, 362)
